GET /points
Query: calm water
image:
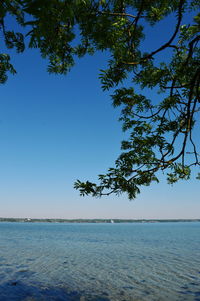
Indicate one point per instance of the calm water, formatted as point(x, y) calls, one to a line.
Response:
point(99, 262)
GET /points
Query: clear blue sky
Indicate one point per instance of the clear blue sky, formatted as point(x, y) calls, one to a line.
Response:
point(55, 129)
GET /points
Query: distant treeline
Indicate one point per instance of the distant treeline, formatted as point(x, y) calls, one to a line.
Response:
point(52, 220)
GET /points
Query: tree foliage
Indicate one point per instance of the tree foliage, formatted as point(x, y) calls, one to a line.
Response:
point(160, 133)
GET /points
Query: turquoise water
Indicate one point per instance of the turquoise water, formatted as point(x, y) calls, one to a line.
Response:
point(99, 262)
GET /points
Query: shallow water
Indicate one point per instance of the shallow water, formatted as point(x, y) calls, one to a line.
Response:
point(99, 262)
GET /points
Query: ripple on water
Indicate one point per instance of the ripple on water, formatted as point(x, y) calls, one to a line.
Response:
point(100, 262)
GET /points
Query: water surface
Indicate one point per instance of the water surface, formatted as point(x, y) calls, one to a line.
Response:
point(99, 262)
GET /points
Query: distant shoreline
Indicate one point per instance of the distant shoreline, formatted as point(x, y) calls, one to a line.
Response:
point(107, 221)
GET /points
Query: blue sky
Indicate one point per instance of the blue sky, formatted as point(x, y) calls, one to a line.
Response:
point(55, 129)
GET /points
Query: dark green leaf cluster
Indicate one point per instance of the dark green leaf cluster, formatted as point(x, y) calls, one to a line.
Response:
point(11, 38)
point(160, 133)
point(5, 66)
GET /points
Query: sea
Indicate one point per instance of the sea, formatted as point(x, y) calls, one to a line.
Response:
point(100, 262)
